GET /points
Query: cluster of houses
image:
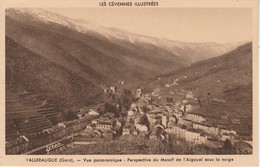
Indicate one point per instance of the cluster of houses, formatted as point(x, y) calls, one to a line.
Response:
point(175, 118)
point(156, 120)
point(174, 82)
point(145, 116)
point(28, 142)
point(105, 126)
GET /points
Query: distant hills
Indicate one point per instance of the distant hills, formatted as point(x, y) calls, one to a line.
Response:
point(216, 75)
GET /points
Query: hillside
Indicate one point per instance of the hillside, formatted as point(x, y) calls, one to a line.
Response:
point(51, 91)
point(28, 70)
point(227, 77)
point(88, 54)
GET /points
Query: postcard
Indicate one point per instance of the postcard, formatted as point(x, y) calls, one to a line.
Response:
point(129, 83)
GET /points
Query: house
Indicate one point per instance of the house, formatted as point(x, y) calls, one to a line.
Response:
point(61, 125)
point(226, 131)
point(206, 128)
point(94, 122)
point(105, 90)
point(89, 127)
point(137, 120)
point(135, 132)
point(130, 113)
point(92, 112)
point(224, 116)
point(225, 136)
point(183, 121)
point(213, 130)
point(195, 117)
point(194, 136)
point(178, 131)
point(117, 123)
point(113, 89)
point(190, 135)
point(172, 118)
point(164, 120)
point(189, 107)
point(126, 131)
point(79, 115)
point(138, 93)
point(235, 121)
point(104, 124)
point(175, 82)
point(167, 85)
point(189, 95)
point(133, 106)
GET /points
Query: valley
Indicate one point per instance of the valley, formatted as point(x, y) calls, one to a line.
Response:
point(69, 78)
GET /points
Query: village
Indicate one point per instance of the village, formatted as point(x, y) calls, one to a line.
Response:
point(156, 120)
point(151, 115)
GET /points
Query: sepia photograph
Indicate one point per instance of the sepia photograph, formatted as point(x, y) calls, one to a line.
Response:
point(129, 83)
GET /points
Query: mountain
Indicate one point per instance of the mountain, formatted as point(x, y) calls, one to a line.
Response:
point(189, 51)
point(223, 84)
point(71, 60)
point(69, 68)
point(90, 55)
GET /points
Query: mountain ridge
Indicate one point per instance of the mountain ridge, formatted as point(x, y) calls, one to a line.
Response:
point(182, 49)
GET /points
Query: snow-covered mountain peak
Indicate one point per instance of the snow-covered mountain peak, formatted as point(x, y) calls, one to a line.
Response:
point(191, 51)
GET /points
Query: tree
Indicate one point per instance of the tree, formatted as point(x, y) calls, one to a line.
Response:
point(70, 115)
point(126, 99)
point(227, 146)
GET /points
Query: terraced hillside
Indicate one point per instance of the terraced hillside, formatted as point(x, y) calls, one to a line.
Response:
point(28, 113)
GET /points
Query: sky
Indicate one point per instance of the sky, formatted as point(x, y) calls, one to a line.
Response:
point(221, 25)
